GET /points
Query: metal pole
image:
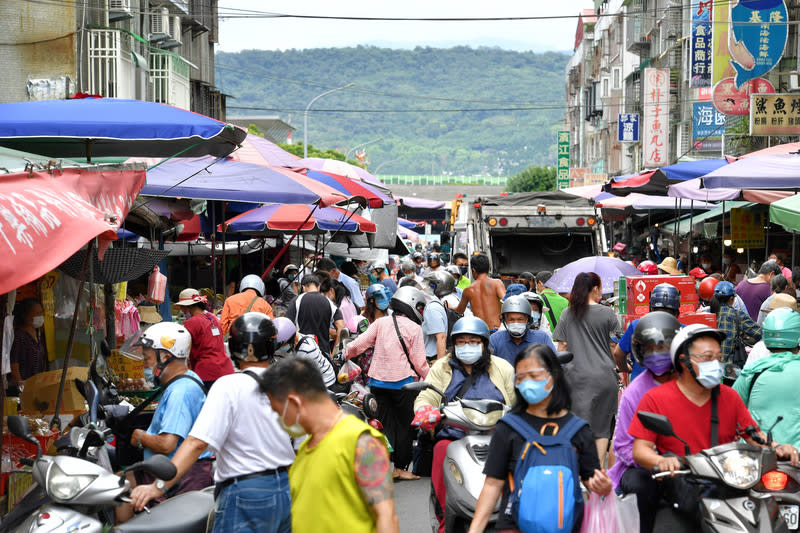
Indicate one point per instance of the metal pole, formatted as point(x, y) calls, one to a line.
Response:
point(224, 259)
point(110, 298)
point(356, 147)
point(689, 253)
point(305, 115)
point(239, 249)
point(189, 265)
point(722, 253)
point(213, 252)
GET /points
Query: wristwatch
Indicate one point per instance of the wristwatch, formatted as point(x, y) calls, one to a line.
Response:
point(139, 441)
point(161, 485)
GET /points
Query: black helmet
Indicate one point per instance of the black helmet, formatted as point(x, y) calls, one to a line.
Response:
point(654, 332)
point(252, 338)
point(665, 297)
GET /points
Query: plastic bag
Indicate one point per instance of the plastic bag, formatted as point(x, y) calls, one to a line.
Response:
point(156, 286)
point(610, 514)
point(627, 514)
point(348, 372)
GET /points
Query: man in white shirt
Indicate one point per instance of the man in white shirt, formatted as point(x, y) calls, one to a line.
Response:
point(326, 264)
point(253, 451)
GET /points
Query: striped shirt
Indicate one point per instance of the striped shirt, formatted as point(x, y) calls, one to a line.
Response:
point(307, 348)
point(389, 361)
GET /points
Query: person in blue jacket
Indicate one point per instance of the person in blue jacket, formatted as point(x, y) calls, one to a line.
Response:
point(517, 333)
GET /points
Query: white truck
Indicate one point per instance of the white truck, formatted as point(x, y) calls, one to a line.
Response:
point(530, 231)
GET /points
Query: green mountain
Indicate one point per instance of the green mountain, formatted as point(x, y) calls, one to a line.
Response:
point(456, 111)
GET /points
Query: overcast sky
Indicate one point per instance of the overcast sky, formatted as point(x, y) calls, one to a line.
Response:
point(287, 33)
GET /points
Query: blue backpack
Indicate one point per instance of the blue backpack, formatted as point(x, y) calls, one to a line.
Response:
point(545, 493)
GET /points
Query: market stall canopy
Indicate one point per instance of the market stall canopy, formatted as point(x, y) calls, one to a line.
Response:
point(407, 223)
point(786, 212)
point(681, 227)
point(419, 203)
point(586, 191)
point(12, 161)
point(406, 233)
point(341, 168)
point(48, 216)
point(781, 171)
point(103, 127)
point(351, 187)
point(225, 180)
point(125, 263)
point(786, 148)
point(259, 151)
point(610, 269)
point(644, 202)
point(295, 217)
point(693, 189)
point(657, 182)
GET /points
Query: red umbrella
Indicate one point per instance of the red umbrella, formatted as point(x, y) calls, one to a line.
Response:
point(352, 187)
point(298, 218)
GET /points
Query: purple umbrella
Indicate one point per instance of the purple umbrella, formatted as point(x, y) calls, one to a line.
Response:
point(610, 269)
point(780, 171)
point(693, 190)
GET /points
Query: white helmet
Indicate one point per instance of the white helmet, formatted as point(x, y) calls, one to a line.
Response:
point(689, 334)
point(168, 336)
point(252, 281)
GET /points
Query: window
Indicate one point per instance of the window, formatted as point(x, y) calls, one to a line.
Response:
point(617, 78)
point(605, 88)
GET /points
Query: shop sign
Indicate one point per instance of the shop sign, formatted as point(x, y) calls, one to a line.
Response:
point(628, 127)
point(760, 31)
point(732, 101)
point(720, 28)
point(562, 170)
point(656, 117)
point(708, 125)
point(775, 114)
point(700, 58)
point(747, 228)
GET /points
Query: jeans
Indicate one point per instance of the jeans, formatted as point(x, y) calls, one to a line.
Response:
point(260, 504)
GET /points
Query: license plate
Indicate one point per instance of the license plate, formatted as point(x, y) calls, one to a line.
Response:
point(791, 515)
point(541, 221)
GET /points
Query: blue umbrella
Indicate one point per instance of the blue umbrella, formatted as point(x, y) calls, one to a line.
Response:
point(108, 127)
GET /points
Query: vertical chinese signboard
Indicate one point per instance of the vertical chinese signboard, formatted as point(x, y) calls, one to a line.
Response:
point(760, 32)
point(655, 130)
point(562, 172)
point(775, 114)
point(700, 59)
point(708, 125)
point(721, 58)
point(747, 228)
point(628, 124)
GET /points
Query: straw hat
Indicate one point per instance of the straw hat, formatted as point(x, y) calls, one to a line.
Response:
point(148, 314)
point(190, 297)
point(781, 300)
point(669, 265)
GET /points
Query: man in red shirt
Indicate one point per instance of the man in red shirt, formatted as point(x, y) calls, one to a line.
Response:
point(686, 402)
point(207, 357)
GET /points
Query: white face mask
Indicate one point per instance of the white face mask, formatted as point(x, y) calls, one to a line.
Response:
point(38, 321)
point(469, 354)
point(709, 374)
point(516, 330)
point(295, 430)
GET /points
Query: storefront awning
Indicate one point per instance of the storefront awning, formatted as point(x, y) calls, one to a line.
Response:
point(681, 227)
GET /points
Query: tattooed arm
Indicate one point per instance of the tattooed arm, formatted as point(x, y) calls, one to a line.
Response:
point(374, 475)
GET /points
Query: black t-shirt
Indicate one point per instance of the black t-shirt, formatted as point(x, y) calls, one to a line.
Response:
point(507, 444)
point(317, 313)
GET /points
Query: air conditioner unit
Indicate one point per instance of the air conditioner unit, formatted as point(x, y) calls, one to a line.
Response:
point(175, 28)
point(119, 6)
point(159, 24)
point(794, 81)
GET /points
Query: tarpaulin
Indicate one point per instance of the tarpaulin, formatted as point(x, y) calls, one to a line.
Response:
point(46, 217)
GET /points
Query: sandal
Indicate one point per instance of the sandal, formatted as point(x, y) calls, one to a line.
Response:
point(403, 475)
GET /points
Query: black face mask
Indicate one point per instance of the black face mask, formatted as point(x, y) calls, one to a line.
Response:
point(161, 366)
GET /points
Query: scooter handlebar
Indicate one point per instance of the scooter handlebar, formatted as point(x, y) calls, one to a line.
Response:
point(668, 474)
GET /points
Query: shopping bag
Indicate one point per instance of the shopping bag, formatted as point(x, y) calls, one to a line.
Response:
point(156, 286)
point(348, 372)
point(599, 515)
point(627, 509)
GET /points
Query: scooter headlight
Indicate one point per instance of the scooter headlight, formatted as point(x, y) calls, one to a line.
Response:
point(738, 468)
point(455, 472)
point(63, 487)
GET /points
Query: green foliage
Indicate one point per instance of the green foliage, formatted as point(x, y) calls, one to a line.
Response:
point(419, 135)
point(533, 179)
point(297, 149)
point(254, 130)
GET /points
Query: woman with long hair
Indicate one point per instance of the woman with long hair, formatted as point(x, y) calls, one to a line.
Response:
point(543, 401)
point(376, 305)
point(585, 329)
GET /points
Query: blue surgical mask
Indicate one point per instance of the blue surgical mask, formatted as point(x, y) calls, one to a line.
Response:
point(706, 266)
point(291, 277)
point(726, 261)
point(284, 349)
point(709, 374)
point(534, 391)
point(372, 278)
point(535, 317)
point(658, 363)
point(469, 354)
point(382, 303)
point(148, 374)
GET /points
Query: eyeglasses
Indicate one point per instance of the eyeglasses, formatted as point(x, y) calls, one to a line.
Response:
point(537, 374)
point(706, 357)
point(464, 342)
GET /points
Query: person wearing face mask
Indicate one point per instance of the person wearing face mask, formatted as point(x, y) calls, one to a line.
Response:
point(251, 441)
point(730, 270)
point(731, 321)
point(650, 346)
point(755, 290)
point(706, 265)
point(288, 343)
point(543, 402)
point(462, 262)
point(585, 329)
point(538, 313)
point(438, 285)
point(518, 334)
point(28, 351)
point(341, 479)
point(166, 346)
point(377, 306)
point(689, 403)
point(469, 372)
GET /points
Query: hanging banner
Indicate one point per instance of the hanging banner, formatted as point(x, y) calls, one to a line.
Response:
point(562, 170)
point(628, 127)
point(700, 58)
point(708, 125)
point(760, 31)
point(775, 114)
point(732, 101)
point(747, 228)
point(655, 130)
point(720, 29)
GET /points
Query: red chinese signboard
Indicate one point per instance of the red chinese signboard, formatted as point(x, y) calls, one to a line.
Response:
point(732, 101)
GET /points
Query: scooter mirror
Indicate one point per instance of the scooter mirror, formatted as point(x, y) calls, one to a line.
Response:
point(659, 424)
point(417, 386)
point(92, 398)
point(18, 425)
point(160, 467)
point(564, 357)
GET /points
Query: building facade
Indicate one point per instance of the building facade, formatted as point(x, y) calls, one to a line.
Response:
point(155, 50)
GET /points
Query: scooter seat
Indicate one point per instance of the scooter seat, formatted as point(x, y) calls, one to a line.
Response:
point(185, 513)
point(483, 406)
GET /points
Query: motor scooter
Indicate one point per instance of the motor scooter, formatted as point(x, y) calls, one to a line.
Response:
point(732, 474)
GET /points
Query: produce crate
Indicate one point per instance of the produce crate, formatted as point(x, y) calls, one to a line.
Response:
point(18, 448)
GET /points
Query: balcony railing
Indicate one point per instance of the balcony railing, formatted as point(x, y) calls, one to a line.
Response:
point(169, 75)
point(111, 70)
point(636, 40)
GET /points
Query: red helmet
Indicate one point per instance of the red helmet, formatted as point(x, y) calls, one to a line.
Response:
point(648, 267)
point(706, 289)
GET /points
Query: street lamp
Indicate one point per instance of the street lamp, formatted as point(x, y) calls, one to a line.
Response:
point(375, 172)
point(305, 115)
point(356, 147)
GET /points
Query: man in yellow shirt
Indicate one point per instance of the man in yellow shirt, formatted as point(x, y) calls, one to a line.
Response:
point(249, 298)
point(341, 479)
